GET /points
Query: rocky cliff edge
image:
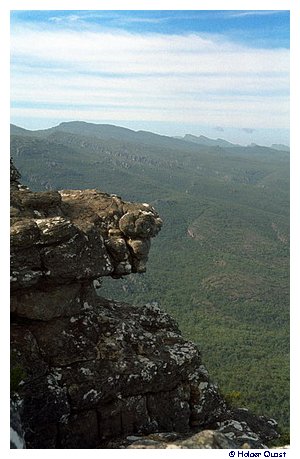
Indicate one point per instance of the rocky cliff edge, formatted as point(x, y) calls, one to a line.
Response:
point(88, 372)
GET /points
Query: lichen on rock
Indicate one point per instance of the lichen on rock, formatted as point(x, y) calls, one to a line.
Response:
point(72, 235)
point(95, 371)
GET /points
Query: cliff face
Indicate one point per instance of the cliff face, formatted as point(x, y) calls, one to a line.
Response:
point(88, 370)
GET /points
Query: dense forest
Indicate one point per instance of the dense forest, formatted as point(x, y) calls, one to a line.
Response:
point(220, 265)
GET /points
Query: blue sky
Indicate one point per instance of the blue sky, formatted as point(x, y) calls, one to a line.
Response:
point(216, 73)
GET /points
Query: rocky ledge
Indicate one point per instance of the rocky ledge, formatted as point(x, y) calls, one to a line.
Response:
point(88, 372)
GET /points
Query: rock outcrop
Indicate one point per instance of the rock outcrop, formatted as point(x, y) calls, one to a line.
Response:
point(89, 371)
point(16, 428)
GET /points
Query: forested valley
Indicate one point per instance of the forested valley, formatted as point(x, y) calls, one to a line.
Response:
point(220, 265)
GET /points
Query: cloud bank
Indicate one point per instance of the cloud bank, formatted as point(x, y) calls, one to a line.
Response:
point(98, 75)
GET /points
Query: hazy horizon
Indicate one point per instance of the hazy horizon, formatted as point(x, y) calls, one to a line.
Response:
point(221, 136)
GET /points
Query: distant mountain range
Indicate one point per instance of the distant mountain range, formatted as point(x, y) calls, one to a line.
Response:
point(202, 140)
point(280, 147)
point(111, 132)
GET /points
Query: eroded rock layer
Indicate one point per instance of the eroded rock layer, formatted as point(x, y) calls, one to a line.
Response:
point(88, 371)
point(74, 235)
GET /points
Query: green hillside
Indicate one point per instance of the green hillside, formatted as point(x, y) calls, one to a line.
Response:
point(220, 265)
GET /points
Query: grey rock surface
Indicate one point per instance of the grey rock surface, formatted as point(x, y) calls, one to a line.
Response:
point(90, 371)
point(72, 235)
point(16, 429)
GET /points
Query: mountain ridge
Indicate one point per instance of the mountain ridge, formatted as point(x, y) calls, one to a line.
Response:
point(111, 131)
point(203, 140)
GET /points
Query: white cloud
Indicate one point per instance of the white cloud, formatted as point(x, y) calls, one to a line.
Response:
point(113, 16)
point(238, 114)
point(118, 75)
point(239, 14)
point(131, 53)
